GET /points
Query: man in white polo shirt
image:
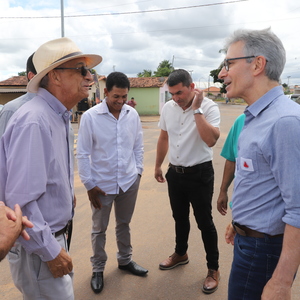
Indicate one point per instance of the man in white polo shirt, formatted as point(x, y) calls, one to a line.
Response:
point(189, 128)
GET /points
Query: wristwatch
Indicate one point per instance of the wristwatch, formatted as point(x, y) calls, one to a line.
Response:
point(198, 111)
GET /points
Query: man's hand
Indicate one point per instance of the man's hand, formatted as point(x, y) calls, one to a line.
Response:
point(222, 203)
point(94, 196)
point(159, 175)
point(61, 265)
point(276, 291)
point(198, 98)
point(12, 225)
point(14, 222)
point(230, 234)
point(74, 201)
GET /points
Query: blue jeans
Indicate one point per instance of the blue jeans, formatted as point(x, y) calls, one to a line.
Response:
point(253, 264)
point(195, 189)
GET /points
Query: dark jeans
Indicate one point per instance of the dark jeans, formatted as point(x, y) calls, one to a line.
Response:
point(253, 264)
point(195, 189)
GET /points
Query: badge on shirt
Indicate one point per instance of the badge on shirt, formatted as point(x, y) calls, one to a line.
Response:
point(246, 164)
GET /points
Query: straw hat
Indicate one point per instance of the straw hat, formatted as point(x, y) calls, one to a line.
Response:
point(54, 53)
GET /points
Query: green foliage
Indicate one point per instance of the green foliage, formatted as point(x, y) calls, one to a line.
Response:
point(145, 73)
point(214, 74)
point(23, 73)
point(163, 70)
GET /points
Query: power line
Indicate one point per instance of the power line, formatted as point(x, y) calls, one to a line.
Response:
point(127, 13)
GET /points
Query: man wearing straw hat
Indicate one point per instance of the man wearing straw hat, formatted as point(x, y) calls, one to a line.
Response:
point(36, 169)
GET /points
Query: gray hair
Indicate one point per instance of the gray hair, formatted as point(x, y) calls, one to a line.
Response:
point(265, 43)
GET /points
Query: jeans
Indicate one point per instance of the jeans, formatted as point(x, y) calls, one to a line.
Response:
point(253, 264)
point(195, 189)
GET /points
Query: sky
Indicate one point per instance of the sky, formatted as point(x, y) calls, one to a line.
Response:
point(133, 35)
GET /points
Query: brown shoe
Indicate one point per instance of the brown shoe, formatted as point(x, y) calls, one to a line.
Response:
point(173, 261)
point(211, 282)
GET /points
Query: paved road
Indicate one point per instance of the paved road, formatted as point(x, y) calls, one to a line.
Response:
point(152, 239)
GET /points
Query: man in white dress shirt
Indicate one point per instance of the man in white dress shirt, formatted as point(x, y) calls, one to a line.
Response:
point(110, 161)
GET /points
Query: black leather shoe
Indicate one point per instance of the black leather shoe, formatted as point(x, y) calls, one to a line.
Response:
point(97, 282)
point(134, 268)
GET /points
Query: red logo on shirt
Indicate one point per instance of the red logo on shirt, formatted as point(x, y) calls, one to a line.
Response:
point(246, 165)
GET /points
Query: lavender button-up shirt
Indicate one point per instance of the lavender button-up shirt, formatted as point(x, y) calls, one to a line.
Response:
point(36, 170)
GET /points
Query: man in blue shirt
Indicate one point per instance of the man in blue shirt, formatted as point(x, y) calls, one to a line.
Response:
point(266, 204)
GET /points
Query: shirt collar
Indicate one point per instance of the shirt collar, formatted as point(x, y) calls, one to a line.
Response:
point(54, 103)
point(263, 102)
point(102, 108)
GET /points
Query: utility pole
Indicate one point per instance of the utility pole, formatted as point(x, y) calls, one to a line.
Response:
point(62, 18)
point(173, 63)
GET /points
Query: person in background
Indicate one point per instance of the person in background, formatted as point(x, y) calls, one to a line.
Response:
point(36, 169)
point(132, 102)
point(110, 164)
point(82, 106)
point(12, 106)
point(229, 152)
point(189, 129)
point(12, 225)
point(265, 207)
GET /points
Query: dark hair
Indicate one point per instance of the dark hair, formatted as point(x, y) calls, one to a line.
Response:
point(30, 66)
point(118, 79)
point(179, 76)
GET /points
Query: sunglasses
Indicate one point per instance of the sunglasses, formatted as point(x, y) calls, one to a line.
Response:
point(83, 70)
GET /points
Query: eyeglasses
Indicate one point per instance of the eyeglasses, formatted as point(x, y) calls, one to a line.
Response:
point(226, 62)
point(83, 70)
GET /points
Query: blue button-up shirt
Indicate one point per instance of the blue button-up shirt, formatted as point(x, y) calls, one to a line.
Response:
point(109, 150)
point(36, 170)
point(267, 180)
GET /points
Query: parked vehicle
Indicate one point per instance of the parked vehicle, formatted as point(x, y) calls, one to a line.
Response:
point(293, 96)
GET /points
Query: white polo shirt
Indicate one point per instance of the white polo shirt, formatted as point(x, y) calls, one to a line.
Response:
point(186, 148)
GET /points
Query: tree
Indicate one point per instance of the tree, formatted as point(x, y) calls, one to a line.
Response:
point(214, 74)
point(23, 73)
point(164, 69)
point(145, 73)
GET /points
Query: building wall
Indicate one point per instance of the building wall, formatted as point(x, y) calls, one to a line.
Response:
point(6, 97)
point(147, 100)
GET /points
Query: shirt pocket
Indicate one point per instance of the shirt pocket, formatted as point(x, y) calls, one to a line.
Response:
point(247, 168)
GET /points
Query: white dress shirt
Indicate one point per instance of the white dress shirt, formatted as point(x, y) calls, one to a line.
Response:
point(109, 150)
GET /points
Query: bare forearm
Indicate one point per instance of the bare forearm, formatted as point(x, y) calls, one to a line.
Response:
point(290, 255)
point(228, 175)
point(208, 133)
point(161, 149)
point(5, 245)
point(279, 286)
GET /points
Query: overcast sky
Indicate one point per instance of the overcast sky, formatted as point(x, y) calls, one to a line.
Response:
point(133, 35)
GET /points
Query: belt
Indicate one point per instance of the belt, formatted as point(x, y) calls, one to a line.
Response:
point(245, 231)
point(63, 230)
point(193, 169)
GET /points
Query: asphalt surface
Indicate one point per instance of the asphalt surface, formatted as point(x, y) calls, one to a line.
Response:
point(152, 231)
